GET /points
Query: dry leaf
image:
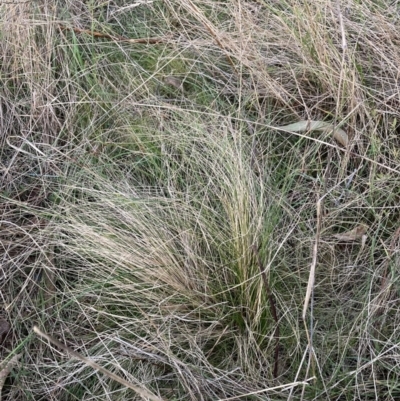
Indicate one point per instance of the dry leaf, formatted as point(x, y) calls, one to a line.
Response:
point(352, 235)
point(305, 125)
point(174, 81)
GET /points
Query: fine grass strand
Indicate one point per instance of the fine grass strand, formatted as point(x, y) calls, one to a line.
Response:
point(138, 177)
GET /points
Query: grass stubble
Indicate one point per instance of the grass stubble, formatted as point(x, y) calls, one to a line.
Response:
point(168, 232)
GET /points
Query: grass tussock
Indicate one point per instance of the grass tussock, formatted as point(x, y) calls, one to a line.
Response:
point(155, 219)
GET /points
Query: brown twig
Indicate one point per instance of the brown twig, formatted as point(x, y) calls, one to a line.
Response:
point(273, 310)
point(95, 34)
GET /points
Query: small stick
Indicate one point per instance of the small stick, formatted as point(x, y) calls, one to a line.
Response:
point(310, 294)
point(118, 38)
point(311, 277)
point(144, 393)
point(273, 310)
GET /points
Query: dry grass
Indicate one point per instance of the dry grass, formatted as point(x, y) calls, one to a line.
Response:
point(143, 182)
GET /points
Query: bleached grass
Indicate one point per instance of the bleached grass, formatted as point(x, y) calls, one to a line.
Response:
point(134, 211)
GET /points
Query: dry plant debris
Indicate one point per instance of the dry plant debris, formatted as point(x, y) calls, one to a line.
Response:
point(128, 213)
